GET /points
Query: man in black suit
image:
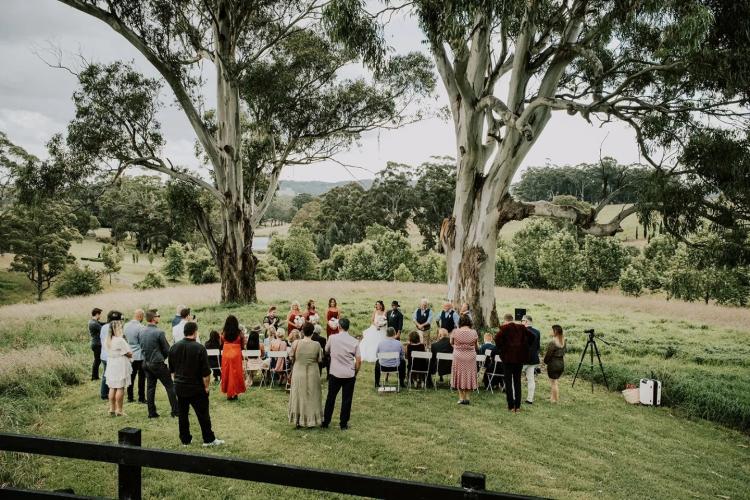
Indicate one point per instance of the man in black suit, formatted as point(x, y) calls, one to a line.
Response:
point(395, 319)
point(443, 345)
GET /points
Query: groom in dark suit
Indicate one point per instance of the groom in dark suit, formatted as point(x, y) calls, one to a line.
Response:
point(395, 319)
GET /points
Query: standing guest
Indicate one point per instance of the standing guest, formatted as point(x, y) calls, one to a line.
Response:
point(104, 332)
point(333, 312)
point(177, 318)
point(214, 342)
point(177, 330)
point(533, 362)
point(294, 320)
point(464, 370)
point(448, 318)
point(390, 345)
point(271, 320)
point(155, 351)
point(512, 340)
point(254, 344)
point(343, 350)
point(118, 366)
point(466, 311)
point(305, 400)
point(232, 374)
point(443, 345)
point(132, 330)
point(317, 337)
point(395, 319)
point(554, 358)
point(422, 318)
point(415, 345)
point(95, 330)
point(188, 362)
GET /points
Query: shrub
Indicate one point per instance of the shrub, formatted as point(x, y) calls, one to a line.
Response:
point(526, 245)
point(603, 260)
point(152, 280)
point(506, 269)
point(174, 262)
point(431, 268)
point(111, 259)
point(331, 267)
point(560, 262)
point(297, 252)
point(631, 281)
point(107, 240)
point(271, 269)
point(403, 274)
point(359, 262)
point(201, 268)
point(78, 281)
point(392, 250)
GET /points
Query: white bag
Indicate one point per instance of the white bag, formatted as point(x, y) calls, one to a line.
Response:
point(650, 392)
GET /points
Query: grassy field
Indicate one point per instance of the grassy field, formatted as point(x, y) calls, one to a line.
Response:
point(590, 446)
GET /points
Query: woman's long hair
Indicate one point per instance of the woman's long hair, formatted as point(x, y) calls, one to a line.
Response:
point(253, 341)
point(335, 304)
point(381, 304)
point(557, 336)
point(231, 328)
point(115, 330)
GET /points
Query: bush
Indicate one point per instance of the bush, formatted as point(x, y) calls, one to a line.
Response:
point(506, 269)
point(631, 282)
point(359, 263)
point(76, 281)
point(201, 268)
point(431, 268)
point(174, 262)
point(603, 260)
point(560, 262)
point(392, 250)
point(271, 269)
point(107, 240)
point(403, 274)
point(526, 245)
point(330, 268)
point(152, 280)
point(297, 252)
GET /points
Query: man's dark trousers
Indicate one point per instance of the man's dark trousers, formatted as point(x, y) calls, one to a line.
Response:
point(346, 385)
point(97, 349)
point(137, 371)
point(512, 372)
point(103, 387)
point(389, 369)
point(199, 401)
point(159, 372)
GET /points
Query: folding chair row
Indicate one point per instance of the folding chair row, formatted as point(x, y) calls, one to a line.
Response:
point(420, 355)
point(280, 357)
point(386, 370)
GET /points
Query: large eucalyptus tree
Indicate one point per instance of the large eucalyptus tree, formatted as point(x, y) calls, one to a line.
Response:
point(660, 66)
point(279, 101)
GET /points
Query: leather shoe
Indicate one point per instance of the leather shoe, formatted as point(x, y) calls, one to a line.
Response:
point(155, 415)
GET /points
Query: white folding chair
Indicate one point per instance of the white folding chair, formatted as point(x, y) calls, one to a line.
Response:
point(215, 353)
point(426, 373)
point(253, 355)
point(494, 374)
point(386, 370)
point(480, 363)
point(280, 357)
point(443, 356)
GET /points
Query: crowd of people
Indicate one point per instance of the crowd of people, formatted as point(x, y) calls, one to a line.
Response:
point(293, 350)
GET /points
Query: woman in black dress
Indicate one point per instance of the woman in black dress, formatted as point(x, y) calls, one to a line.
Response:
point(554, 358)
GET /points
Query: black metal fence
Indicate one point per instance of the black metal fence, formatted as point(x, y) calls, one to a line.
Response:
point(130, 457)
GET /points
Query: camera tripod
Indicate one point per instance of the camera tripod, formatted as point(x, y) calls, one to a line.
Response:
point(592, 348)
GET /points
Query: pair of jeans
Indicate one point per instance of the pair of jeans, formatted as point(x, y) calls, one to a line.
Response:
point(199, 402)
point(97, 349)
point(530, 371)
point(137, 371)
point(513, 384)
point(335, 385)
point(388, 369)
point(158, 372)
point(103, 387)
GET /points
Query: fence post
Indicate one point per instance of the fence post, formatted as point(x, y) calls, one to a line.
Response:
point(472, 482)
point(129, 476)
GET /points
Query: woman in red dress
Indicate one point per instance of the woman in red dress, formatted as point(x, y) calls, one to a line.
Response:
point(292, 323)
point(311, 314)
point(333, 311)
point(232, 373)
point(464, 371)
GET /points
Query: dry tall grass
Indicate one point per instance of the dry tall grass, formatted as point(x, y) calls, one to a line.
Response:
point(407, 293)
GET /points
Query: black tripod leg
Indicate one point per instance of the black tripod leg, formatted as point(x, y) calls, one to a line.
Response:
point(583, 355)
point(601, 366)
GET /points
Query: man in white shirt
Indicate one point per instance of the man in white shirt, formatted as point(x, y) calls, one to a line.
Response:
point(343, 350)
point(178, 330)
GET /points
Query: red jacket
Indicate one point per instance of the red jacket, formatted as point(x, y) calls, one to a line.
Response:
point(513, 342)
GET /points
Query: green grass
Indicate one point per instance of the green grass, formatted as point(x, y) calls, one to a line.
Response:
point(15, 287)
point(590, 446)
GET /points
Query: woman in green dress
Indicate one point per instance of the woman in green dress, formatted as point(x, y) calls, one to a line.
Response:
point(305, 399)
point(554, 358)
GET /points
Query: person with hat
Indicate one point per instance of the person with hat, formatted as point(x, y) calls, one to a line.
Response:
point(254, 364)
point(395, 319)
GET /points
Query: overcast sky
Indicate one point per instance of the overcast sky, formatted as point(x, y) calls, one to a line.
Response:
point(35, 100)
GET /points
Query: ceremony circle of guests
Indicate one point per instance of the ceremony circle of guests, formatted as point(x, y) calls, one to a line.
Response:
point(290, 350)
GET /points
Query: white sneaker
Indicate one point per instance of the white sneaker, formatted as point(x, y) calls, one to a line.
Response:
point(215, 442)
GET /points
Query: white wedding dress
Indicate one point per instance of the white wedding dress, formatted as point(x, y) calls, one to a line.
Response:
point(368, 346)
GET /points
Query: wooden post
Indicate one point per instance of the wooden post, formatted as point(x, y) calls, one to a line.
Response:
point(129, 476)
point(471, 482)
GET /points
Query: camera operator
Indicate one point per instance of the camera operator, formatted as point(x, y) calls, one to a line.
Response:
point(533, 362)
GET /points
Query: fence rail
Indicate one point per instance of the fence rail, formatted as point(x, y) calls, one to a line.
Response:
point(131, 457)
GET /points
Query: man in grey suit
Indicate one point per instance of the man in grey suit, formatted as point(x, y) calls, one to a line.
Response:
point(155, 351)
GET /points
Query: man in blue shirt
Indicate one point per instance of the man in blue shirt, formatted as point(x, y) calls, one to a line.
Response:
point(530, 369)
point(448, 318)
point(422, 318)
point(390, 345)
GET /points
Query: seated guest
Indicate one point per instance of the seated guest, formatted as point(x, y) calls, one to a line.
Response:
point(306, 396)
point(488, 344)
point(317, 337)
point(279, 344)
point(415, 345)
point(214, 342)
point(388, 345)
point(270, 335)
point(443, 344)
point(254, 344)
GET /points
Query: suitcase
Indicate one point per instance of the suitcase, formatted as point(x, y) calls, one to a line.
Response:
point(650, 392)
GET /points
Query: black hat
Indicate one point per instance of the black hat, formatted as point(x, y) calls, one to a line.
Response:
point(114, 316)
point(395, 303)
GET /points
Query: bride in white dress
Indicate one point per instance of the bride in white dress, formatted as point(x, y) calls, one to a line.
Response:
point(368, 346)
